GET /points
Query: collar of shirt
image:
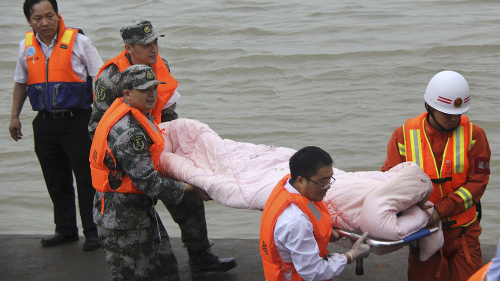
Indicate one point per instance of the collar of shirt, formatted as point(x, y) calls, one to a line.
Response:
point(290, 188)
point(47, 50)
point(52, 43)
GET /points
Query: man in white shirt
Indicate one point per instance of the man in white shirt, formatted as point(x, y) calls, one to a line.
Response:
point(54, 69)
point(296, 227)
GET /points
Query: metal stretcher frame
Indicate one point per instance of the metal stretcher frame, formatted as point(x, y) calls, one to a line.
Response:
point(384, 243)
point(377, 242)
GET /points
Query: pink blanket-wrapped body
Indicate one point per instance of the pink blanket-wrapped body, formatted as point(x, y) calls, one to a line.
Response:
point(242, 175)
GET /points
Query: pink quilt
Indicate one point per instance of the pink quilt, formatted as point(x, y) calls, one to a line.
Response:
point(242, 175)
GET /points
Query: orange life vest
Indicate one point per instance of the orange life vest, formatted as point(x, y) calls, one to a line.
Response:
point(165, 91)
point(453, 172)
point(52, 82)
point(481, 273)
point(317, 212)
point(100, 172)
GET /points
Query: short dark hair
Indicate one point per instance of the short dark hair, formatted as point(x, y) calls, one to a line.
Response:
point(28, 6)
point(307, 161)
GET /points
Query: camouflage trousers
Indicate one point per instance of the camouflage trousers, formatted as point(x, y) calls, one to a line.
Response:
point(189, 214)
point(139, 254)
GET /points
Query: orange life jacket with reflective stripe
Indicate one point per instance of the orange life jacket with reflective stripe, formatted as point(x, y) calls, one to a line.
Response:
point(52, 82)
point(100, 146)
point(481, 273)
point(317, 212)
point(453, 172)
point(165, 91)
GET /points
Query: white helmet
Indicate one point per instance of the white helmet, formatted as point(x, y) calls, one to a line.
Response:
point(448, 92)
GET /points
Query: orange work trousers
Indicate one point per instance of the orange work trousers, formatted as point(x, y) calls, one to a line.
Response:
point(451, 263)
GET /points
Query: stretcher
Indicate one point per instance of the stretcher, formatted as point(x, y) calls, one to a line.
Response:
point(413, 238)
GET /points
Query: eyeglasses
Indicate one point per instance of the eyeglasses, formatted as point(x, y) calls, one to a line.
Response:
point(324, 186)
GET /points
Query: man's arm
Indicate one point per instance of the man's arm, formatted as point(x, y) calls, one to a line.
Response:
point(393, 156)
point(131, 150)
point(477, 178)
point(19, 97)
point(106, 90)
point(90, 57)
point(297, 236)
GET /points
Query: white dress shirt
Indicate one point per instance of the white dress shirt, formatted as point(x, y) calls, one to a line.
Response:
point(294, 238)
point(85, 58)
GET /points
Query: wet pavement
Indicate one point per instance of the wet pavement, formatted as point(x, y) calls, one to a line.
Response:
point(24, 258)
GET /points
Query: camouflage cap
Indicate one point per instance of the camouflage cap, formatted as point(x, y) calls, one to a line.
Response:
point(139, 32)
point(138, 76)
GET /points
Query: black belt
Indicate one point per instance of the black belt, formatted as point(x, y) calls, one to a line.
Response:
point(58, 114)
point(441, 180)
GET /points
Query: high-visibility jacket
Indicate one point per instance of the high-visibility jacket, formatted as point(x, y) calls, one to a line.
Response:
point(52, 82)
point(99, 170)
point(453, 173)
point(317, 212)
point(165, 91)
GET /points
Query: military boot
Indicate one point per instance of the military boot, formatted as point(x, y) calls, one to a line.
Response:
point(202, 262)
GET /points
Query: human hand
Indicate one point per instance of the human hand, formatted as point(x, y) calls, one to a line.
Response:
point(360, 249)
point(434, 219)
point(15, 129)
point(425, 208)
point(200, 192)
point(335, 236)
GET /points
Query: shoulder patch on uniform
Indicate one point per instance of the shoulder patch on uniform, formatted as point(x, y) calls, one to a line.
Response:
point(100, 93)
point(138, 142)
point(482, 165)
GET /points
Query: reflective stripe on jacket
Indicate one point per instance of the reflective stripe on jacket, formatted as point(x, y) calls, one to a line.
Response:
point(453, 173)
point(317, 212)
point(52, 82)
point(100, 172)
point(165, 91)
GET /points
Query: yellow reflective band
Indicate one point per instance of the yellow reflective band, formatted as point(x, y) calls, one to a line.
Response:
point(29, 39)
point(402, 149)
point(471, 144)
point(466, 196)
point(459, 149)
point(416, 149)
point(66, 39)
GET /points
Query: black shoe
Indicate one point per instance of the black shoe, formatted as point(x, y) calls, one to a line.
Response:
point(91, 243)
point(57, 238)
point(202, 262)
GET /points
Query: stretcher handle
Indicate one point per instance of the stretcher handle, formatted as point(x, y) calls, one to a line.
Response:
point(417, 235)
point(374, 242)
point(359, 267)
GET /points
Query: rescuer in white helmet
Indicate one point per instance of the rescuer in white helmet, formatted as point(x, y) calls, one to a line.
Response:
point(455, 154)
point(448, 94)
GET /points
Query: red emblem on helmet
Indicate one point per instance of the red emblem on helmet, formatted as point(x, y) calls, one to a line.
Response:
point(458, 102)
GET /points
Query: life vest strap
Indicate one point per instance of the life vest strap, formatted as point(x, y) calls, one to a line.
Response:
point(441, 180)
point(447, 224)
point(441, 265)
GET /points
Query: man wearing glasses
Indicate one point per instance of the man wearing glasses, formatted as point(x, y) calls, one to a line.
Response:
point(296, 227)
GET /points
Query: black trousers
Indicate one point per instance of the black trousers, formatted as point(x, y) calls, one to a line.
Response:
point(62, 145)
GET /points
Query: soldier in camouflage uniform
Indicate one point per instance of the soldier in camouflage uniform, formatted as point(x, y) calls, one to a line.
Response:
point(134, 239)
point(141, 45)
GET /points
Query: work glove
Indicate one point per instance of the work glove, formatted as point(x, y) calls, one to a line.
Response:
point(360, 249)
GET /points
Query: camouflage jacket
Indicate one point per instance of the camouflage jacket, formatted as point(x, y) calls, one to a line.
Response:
point(127, 211)
point(106, 90)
